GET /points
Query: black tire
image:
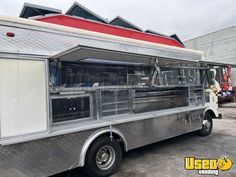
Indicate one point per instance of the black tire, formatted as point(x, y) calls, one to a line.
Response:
point(95, 156)
point(207, 128)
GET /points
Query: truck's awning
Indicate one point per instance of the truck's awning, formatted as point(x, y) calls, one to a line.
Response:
point(127, 53)
point(83, 53)
point(219, 64)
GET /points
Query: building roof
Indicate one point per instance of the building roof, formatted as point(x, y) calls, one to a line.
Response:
point(121, 22)
point(80, 11)
point(31, 10)
point(174, 36)
point(156, 33)
point(107, 29)
point(80, 17)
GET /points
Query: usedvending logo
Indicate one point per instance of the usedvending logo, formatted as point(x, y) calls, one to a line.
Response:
point(208, 166)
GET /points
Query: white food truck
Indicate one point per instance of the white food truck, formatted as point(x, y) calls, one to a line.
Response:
point(76, 98)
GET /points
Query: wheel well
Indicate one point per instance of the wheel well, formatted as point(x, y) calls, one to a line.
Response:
point(209, 111)
point(116, 134)
point(117, 138)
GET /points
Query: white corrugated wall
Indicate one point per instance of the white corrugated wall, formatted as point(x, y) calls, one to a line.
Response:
point(219, 46)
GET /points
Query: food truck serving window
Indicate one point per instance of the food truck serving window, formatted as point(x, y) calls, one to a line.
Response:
point(88, 83)
point(81, 74)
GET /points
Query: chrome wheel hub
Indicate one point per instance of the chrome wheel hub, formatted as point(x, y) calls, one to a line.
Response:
point(206, 124)
point(105, 157)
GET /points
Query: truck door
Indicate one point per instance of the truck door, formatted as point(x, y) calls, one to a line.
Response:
point(23, 97)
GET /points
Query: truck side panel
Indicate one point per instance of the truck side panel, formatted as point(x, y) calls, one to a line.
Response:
point(56, 154)
point(23, 102)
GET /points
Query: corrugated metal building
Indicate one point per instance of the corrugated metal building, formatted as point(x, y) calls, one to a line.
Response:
point(219, 46)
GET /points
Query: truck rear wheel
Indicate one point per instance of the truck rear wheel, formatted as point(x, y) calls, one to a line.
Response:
point(207, 125)
point(103, 157)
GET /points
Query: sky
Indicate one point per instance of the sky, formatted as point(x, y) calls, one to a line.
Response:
point(186, 18)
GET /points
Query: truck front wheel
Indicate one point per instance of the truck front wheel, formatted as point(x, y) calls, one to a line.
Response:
point(103, 157)
point(207, 125)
